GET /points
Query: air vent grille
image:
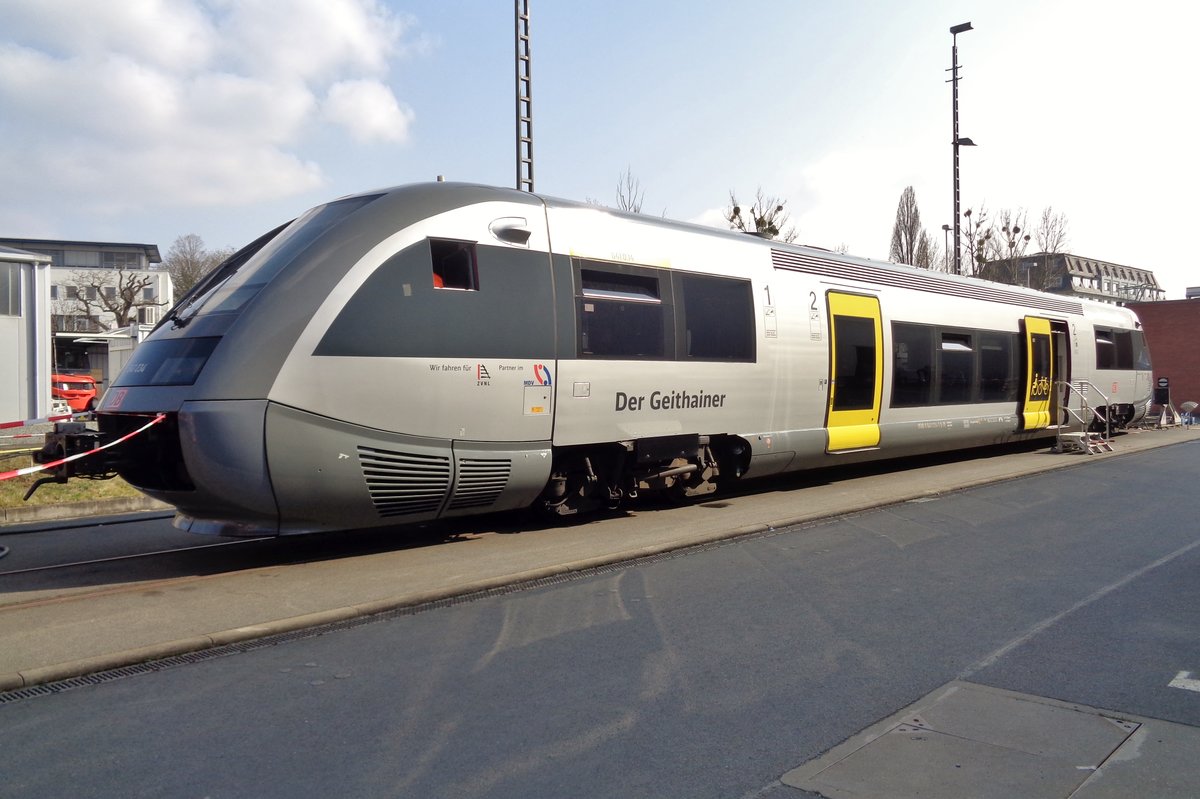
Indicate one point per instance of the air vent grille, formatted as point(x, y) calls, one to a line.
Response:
point(403, 483)
point(480, 482)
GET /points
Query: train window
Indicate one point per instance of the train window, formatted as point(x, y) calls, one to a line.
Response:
point(854, 365)
point(634, 288)
point(936, 366)
point(912, 358)
point(718, 318)
point(956, 368)
point(1124, 341)
point(167, 362)
point(1121, 349)
point(1141, 353)
point(276, 254)
point(1106, 352)
point(454, 265)
point(622, 312)
point(997, 370)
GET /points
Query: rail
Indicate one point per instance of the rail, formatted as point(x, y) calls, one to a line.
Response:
point(1086, 408)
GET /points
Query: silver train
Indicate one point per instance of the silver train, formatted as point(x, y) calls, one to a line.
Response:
point(441, 350)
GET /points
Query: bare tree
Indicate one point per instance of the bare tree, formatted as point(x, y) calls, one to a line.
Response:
point(1001, 252)
point(767, 214)
point(978, 234)
point(188, 260)
point(629, 192)
point(1051, 238)
point(68, 316)
point(118, 291)
point(928, 251)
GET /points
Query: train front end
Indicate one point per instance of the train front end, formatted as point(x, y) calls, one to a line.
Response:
point(247, 430)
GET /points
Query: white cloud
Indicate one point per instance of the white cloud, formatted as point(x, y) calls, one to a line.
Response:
point(713, 217)
point(369, 110)
point(311, 39)
point(171, 34)
point(175, 102)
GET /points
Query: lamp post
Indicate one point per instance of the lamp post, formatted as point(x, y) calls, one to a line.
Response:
point(955, 141)
point(946, 245)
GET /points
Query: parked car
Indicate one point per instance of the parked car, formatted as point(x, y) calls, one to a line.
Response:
point(78, 390)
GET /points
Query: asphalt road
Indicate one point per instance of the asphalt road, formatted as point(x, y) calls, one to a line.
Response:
point(703, 673)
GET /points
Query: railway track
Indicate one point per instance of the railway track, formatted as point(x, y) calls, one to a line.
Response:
point(51, 567)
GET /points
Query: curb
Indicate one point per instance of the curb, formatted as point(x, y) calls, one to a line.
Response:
point(78, 510)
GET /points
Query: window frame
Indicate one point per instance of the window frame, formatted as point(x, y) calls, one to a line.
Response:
point(942, 344)
point(740, 335)
point(454, 277)
point(658, 311)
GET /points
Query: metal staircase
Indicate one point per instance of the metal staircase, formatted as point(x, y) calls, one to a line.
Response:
point(1076, 433)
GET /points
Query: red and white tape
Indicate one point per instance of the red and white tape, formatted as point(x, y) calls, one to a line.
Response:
point(30, 422)
point(77, 456)
point(62, 417)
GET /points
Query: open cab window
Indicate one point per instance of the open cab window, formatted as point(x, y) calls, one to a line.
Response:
point(454, 265)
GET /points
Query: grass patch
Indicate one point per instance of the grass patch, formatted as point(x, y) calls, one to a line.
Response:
point(76, 490)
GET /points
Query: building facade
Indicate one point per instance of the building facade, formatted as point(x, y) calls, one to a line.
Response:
point(1173, 335)
point(102, 286)
point(1103, 281)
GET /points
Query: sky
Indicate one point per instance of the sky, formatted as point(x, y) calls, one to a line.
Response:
point(145, 120)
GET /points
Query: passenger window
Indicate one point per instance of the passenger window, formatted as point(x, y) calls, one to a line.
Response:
point(1124, 342)
point(454, 265)
point(1106, 351)
point(912, 374)
point(622, 313)
point(718, 318)
point(997, 375)
point(1141, 352)
point(956, 368)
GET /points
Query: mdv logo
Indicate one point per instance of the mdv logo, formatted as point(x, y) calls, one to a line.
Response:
point(541, 373)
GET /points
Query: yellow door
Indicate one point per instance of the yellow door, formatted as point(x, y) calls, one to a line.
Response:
point(855, 372)
point(1039, 373)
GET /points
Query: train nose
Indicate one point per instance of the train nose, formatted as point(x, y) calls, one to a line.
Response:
point(209, 461)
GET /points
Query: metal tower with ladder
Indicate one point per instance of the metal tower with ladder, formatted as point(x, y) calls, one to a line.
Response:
point(524, 99)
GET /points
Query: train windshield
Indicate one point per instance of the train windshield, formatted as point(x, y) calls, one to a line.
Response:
point(238, 287)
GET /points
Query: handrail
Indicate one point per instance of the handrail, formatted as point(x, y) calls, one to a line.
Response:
point(1085, 405)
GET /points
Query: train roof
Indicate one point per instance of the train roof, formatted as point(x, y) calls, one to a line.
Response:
point(815, 258)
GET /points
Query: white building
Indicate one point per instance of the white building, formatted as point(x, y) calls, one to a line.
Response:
point(25, 361)
point(100, 286)
point(101, 297)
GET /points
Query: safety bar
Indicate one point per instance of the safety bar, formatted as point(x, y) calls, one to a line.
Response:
point(1085, 406)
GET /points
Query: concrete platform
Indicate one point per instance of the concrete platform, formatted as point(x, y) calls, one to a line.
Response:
point(88, 625)
point(973, 740)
